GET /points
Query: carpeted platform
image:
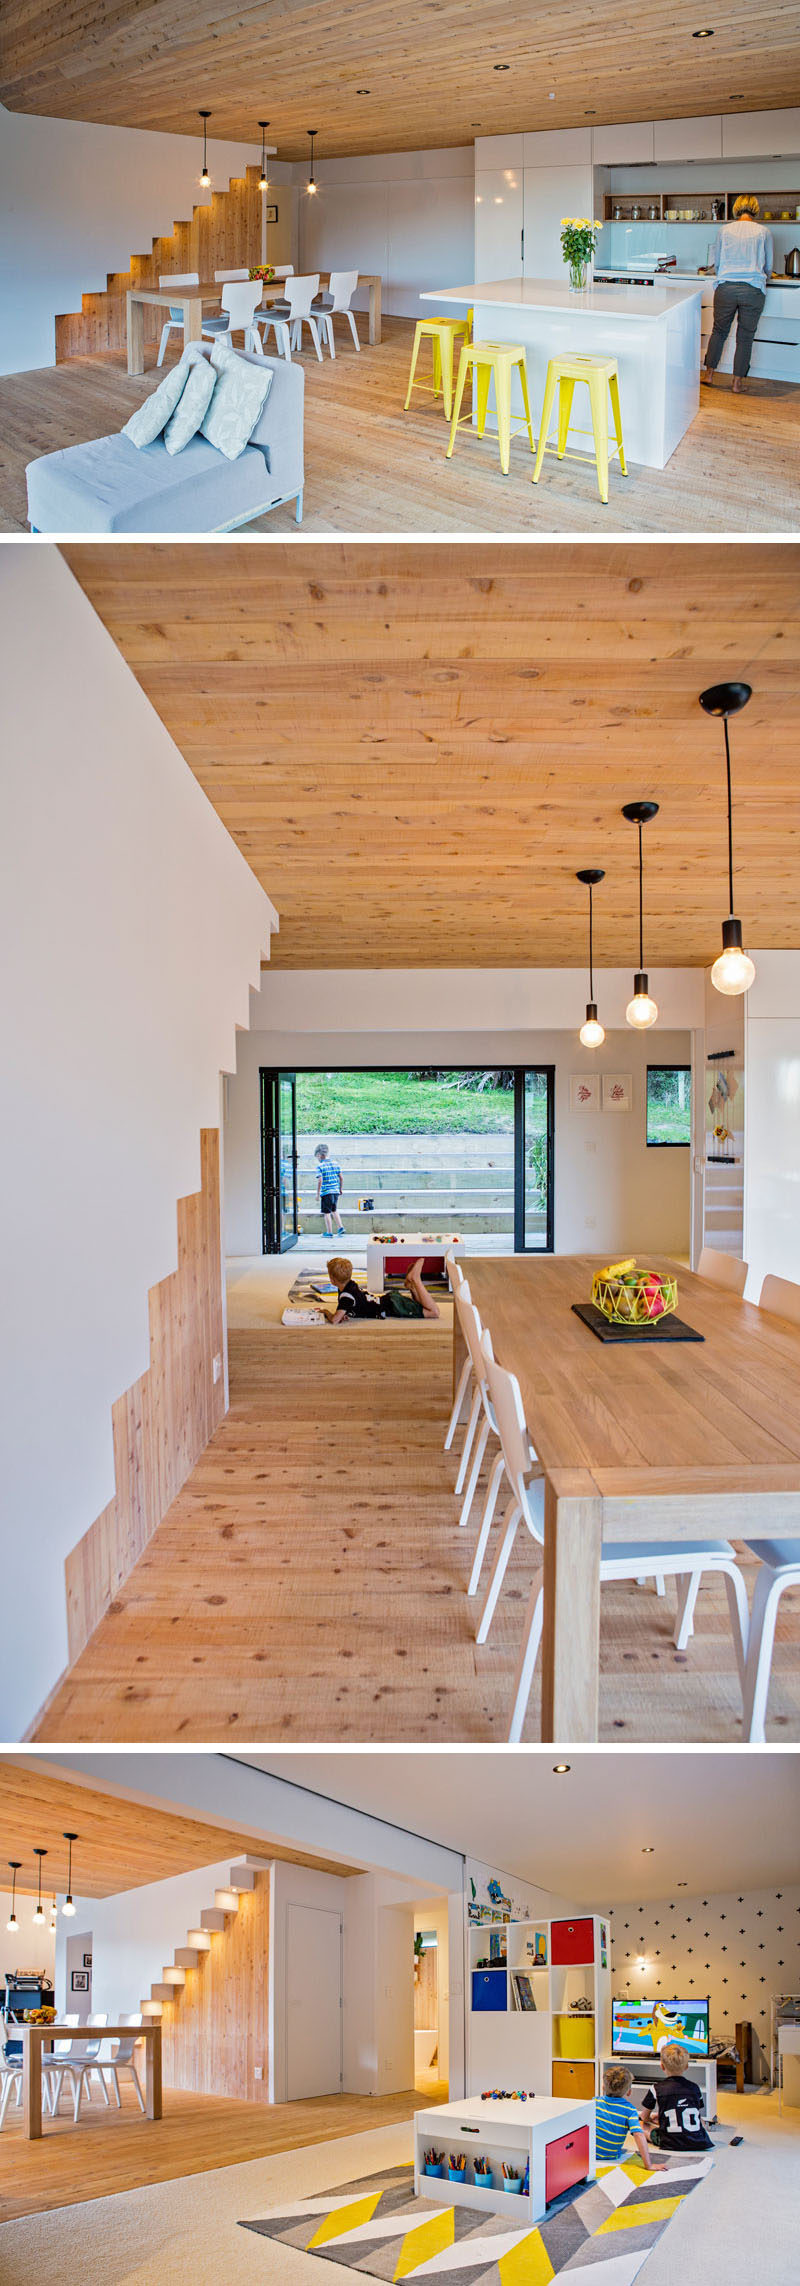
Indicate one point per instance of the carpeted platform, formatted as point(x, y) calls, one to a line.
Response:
point(376, 2226)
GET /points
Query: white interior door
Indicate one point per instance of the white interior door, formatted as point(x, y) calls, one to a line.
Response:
point(313, 2001)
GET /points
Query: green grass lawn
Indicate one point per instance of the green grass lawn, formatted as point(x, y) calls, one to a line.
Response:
point(392, 1103)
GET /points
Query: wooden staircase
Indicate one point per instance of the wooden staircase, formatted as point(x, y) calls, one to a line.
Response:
point(224, 235)
point(213, 1923)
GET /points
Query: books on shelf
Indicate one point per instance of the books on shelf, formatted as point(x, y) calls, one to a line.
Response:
point(522, 1987)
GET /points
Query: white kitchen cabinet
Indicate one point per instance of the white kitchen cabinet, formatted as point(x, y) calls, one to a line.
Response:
point(688, 139)
point(498, 223)
point(550, 193)
point(557, 145)
point(761, 135)
point(499, 151)
point(632, 144)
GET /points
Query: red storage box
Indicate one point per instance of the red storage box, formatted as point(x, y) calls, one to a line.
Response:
point(571, 1943)
point(566, 2162)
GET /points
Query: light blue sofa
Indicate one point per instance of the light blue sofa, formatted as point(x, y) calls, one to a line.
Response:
point(111, 485)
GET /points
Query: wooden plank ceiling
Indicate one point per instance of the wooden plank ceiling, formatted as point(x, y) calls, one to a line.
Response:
point(372, 77)
point(121, 1843)
point(415, 747)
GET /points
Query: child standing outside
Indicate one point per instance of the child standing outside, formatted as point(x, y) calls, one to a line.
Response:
point(616, 2118)
point(678, 2104)
point(329, 1189)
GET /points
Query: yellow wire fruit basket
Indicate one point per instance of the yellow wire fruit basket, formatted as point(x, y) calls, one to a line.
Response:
point(629, 1296)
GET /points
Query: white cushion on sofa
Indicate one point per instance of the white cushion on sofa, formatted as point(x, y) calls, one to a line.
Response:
point(150, 418)
point(240, 396)
point(192, 405)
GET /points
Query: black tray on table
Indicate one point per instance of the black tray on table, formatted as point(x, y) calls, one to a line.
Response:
point(667, 1328)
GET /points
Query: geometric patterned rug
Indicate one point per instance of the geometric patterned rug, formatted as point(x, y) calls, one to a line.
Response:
point(378, 2227)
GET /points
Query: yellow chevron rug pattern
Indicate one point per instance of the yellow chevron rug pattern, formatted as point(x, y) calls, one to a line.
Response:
point(378, 2227)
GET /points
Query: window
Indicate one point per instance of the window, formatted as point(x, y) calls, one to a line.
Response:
point(669, 1105)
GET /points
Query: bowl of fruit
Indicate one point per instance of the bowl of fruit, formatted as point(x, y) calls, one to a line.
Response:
point(629, 1296)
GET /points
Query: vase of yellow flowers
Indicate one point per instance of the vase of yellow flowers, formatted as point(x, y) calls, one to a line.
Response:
point(578, 243)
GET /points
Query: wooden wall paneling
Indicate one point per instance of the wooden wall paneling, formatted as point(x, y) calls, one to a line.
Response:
point(426, 2001)
point(430, 80)
point(224, 235)
point(121, 1842)
point(216, 2029)
point(163, 1422)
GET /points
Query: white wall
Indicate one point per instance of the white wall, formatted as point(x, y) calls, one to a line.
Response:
point(134, 1936)
point(76, 201)
point(132, 929)
point(772, 1120)
point(31, 1948)
point(406, 214)
point(610, 1190)
point(739, 1948)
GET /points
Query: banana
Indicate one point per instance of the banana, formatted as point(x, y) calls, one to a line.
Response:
point(619, 1269)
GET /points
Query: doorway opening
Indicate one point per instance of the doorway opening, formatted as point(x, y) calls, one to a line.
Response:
point(419, 1152)
point(431, 2001)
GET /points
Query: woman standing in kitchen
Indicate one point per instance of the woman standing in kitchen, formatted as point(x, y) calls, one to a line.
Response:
point(743, 262)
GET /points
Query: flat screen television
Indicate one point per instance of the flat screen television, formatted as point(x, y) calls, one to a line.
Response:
point(641, 2027)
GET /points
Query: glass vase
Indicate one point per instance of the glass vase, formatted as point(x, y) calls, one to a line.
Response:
point(578, 277)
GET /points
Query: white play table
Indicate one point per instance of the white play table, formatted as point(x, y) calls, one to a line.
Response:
point(555, 2135)
point(385, 1256)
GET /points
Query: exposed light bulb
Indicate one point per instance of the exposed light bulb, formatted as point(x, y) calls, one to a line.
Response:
point(641, 1011)
point(263, 185)
point(68, 1908)
point(12, 1923)
point(591, 1033)
point(733, 970)
point(205, 178)
point(38, 1918)
point(311, 189)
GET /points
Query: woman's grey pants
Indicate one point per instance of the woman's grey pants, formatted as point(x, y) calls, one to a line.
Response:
point(745, 303)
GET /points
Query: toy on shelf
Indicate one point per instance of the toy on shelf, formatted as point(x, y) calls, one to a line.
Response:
point(507, 2095)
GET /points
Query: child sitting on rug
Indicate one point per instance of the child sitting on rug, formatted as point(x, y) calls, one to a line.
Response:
point(616, 2118)
point(413, 1302)
point(678, 2103)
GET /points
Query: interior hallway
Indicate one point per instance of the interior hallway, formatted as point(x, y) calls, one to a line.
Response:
point(186, 2233)
point(309, 1581)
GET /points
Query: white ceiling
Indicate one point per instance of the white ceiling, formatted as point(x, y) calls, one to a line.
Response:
point(715, 1821)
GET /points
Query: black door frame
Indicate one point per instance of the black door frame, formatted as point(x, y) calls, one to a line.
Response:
point(274, 1238)
point(269, 1075)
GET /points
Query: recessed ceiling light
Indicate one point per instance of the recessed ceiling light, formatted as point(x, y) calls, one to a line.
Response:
point(702, 35)
point(501, 67)
point(560, 1768)
point(648, 1849)
point(590, 114)
point(552, 95)
point(682, 1885)
point(363, 91)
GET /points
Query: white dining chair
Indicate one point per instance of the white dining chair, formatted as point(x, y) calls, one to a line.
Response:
point(53, 2061)
point(174, 322)
point(722, 1269)
point(230, 277)
point(239, 304)
point(683, 1560)
point(123, 2060)
point(290, 315)
point(283, 269)
point(10, 2081)
point(460, 1286)
point(778, 1560)
point(335, 302)
point(80, 2066)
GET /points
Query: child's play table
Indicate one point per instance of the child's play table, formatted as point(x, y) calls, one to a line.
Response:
point(389, 1257)
point(552, 2134)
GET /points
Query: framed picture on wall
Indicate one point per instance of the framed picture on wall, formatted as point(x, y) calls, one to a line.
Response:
point(584, 1091)
point(79, 1980)
point(271, 214)
point(617, 1091)
point(87, 1960)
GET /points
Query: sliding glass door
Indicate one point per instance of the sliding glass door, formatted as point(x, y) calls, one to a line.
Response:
point(534, 1123)
point(280, 1217)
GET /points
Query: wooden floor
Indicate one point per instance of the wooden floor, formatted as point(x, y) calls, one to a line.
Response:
point(112, 2151)
point(309, 1583)
point(370, 467)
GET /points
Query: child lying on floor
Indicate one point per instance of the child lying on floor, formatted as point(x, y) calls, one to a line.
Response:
point(616, 2118)
point(678, 2104)
point(413, 1302)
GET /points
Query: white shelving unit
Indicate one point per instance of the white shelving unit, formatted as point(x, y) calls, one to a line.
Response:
point(549, 2048)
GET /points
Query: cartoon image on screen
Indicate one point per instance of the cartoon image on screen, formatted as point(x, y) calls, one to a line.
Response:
point(641, 2027)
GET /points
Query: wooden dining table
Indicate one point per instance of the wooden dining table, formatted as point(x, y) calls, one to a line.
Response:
point(193, 300)
point(35, 2037)
point(653, 1440)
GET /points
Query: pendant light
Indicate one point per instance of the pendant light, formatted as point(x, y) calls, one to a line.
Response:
point(263, 185)
point(641, 1011)
point(38, 1917)
point(311, 187)
point(591, 1033)
point(205, 177)
point(14, 1867)
point(68, 1906)
point(733, 970)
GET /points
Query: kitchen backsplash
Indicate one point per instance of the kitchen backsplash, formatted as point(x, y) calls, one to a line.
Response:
point(691, 242)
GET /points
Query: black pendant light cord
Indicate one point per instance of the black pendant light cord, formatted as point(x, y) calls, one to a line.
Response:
point(730, 814)
point(591, 978)
point(641, 921)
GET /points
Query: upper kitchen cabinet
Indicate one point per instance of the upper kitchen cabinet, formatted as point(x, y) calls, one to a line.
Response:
point(629, 145)
point(557, 146)
point(689, 138)
point(762, 135)
point(499, 151)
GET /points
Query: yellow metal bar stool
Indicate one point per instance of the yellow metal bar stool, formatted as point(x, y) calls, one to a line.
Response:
point(484, 359)
point(442, 332)
point(602, 379)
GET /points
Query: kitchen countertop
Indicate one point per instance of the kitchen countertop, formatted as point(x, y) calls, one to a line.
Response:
point(554, 294)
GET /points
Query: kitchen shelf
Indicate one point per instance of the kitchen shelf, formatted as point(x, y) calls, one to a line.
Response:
point(643, 209)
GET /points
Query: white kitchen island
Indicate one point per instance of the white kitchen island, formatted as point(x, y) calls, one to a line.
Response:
point(652, 331)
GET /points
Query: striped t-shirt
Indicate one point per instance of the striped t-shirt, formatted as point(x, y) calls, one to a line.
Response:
point(615, 2116)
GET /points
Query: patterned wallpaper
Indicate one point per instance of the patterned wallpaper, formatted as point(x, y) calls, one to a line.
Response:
point(742, 1949)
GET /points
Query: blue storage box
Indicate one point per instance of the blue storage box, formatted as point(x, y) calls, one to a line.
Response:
point(490, 1991)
